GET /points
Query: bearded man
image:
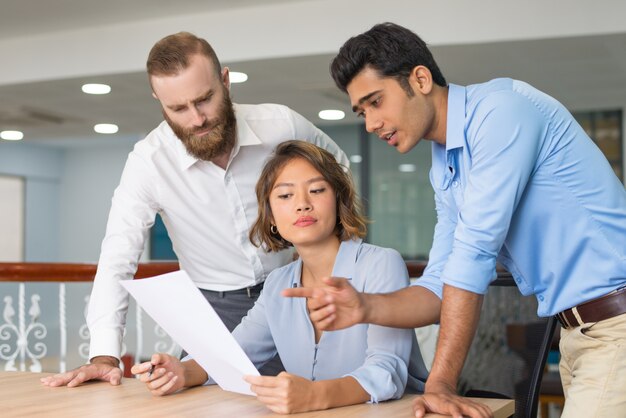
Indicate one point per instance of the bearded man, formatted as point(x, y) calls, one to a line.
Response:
point(198, 170)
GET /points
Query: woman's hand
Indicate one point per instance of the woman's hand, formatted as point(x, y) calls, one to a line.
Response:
point(163, 374)
point(285, 393)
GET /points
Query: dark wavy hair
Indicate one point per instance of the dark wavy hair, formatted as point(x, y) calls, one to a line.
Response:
point(351, 223)
point(391, 50)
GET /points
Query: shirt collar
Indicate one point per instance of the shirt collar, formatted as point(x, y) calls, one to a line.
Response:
point(441, 177)
point(455, 129)
point(345, 262)
point(245, 137)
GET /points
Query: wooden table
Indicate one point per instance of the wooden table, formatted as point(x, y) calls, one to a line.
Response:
point(22, 395)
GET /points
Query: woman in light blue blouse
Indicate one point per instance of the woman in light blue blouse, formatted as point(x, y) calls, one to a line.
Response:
point(306, 200)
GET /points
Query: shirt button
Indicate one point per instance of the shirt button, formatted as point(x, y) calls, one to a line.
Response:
point(540, 297)
point(455, 183)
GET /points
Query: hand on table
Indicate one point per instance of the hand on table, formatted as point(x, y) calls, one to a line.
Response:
point(101, 368)
point(283, 394)
point(168, 375)
point(335, 306)
point(441, 399)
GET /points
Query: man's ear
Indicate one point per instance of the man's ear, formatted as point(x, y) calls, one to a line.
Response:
point(421, 79)
point(226, 78)
point(154, 95)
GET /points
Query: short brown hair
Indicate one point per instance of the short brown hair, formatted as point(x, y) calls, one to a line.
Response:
point(171, 54)
point(351, 223)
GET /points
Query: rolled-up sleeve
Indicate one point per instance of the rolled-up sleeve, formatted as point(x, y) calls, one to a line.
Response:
point(504, 145)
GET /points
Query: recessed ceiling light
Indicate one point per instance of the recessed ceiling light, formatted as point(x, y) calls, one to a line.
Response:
point(356, 159)
point(106, 128)
point(237, 77)
point(407, 168)
point(331, 114)
point(12, 135)
point(96, 88)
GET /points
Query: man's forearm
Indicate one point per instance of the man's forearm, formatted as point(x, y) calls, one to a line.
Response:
point(460, 311)
point(411, 307)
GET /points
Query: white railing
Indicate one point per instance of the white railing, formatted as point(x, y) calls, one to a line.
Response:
point(44, 306)
point(31, 317)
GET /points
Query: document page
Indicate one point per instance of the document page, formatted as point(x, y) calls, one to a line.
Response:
point(177, 305)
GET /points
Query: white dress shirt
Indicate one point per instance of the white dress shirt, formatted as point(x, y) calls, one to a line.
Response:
point(207, 211)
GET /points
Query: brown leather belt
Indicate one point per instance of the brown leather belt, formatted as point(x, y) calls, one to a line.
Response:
point(595, 310)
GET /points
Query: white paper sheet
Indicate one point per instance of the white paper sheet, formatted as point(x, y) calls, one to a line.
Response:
point(177, 305)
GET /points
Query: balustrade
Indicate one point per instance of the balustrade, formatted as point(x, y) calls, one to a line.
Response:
point(25, 337)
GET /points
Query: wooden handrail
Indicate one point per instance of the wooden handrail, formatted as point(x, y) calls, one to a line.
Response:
point(416, 268)
point(71, 272)
point(68, 272)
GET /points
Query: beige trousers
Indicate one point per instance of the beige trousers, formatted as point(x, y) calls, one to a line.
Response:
point(593, 369)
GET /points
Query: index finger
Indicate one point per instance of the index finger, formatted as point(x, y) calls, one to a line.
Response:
point(302, 292)
point(141, 367)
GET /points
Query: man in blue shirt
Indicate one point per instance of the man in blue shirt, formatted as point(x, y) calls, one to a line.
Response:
point(516, 180)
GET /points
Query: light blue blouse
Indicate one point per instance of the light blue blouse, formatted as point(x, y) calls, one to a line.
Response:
point(383, 360)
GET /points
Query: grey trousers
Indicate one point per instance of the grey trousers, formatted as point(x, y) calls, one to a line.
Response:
point(234, 305)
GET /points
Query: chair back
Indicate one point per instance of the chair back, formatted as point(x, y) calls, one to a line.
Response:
point(510, 349)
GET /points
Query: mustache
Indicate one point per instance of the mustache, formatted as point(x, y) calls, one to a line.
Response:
point(208, 124)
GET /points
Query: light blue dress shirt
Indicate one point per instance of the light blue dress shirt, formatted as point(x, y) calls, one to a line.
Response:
point(520, 182)
point(377, 357)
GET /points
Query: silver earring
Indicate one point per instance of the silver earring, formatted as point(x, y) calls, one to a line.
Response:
point(273, 229)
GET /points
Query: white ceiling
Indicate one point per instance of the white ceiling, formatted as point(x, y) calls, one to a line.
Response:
point(582, 72)
point(29, 17)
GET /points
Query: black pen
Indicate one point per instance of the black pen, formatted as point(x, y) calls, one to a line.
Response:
point(151, 370)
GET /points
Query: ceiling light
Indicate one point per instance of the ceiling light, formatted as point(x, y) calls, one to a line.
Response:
point(407, 168)
point(106, 128)
point(96, 89)
point(12, 135)
point(237, 77)
point(356, 159)
point(331, 114)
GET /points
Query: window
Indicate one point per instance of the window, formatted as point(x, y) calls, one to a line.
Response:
point(11, 218)
point(160, 244)
point(605, 129)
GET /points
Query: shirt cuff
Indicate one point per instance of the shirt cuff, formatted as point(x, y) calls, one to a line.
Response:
point(105, 342)
point(434, 284)
point(469, 271)
point(381, 386)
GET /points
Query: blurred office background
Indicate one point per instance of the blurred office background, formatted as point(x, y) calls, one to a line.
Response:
point(64, 173)
point(56, 183)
